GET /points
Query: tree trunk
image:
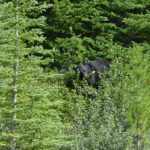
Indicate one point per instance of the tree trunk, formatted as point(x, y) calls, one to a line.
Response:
point(15, 75)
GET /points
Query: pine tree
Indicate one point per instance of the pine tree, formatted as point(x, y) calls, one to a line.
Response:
point(137, 85)
point(30, 106)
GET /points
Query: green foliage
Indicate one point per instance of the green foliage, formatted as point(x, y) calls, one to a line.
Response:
point(39, 108)
point(117, 118)
point(137, 86)
point(102, 121)
point(82, 30)
point(55, 33)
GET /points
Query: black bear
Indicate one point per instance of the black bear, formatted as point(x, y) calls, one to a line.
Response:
point(91, 70)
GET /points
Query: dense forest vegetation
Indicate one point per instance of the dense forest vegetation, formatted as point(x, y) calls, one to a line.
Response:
point(42, 108)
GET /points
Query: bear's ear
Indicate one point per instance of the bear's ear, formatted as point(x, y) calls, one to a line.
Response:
point(90, 66)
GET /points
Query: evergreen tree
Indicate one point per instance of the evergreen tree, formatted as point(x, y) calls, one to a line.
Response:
point(30, 106)
point(136, 90)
